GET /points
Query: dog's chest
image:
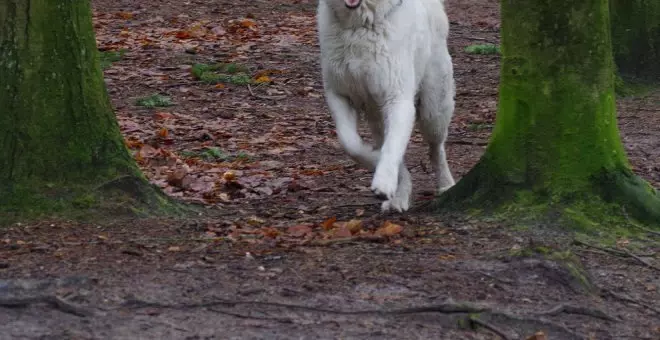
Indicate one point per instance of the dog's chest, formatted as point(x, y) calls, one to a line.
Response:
point(363, 66)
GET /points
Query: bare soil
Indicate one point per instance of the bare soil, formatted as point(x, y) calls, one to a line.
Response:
point(275, 257)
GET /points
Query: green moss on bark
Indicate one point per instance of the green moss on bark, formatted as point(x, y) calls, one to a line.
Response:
point(59, 139)
point(556, 145)
point(636, 37)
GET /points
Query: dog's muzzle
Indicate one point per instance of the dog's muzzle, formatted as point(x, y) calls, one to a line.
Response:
point(352, 4)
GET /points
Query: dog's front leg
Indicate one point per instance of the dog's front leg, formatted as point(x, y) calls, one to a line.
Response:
point(346, 120)
point(399, 122)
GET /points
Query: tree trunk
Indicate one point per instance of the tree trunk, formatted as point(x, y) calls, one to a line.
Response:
point(636, 37)
point(59, 139)
point(556, 145)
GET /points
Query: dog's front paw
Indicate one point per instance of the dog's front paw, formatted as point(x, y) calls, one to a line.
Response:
point(384, 184)
point(398, 204)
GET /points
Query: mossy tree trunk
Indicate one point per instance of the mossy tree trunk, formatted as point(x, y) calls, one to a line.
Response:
point(59, 139)
point(556, 143)
point(636, 37)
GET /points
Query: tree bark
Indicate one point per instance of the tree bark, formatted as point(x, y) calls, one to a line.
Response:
point(556, 141)
point(59, 138)
point(636, 37)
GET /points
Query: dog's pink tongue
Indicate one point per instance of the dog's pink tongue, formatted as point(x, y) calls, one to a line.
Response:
point(352, 3)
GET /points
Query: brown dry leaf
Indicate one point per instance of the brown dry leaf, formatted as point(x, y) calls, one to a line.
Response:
point(342, 232)
point(125, 15)
point(622, 243)
point(183, 35)
point(254, 220)
point(178, 178)
point(329, 223)
point(354, 226)
point(229, 176)
point(299, 230)
point(389, 229)
point(447, 257)
point(263, 79)
point(220, 86)
point(174, 248)
point(163, 115)
point(163, 132)
point(538, 336)
point(270, 232)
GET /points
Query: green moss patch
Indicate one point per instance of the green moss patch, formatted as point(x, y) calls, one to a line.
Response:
point(154, 100)
point(230, 73)
point(485, 49)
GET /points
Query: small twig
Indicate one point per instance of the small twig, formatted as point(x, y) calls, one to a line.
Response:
point(188, 83)
point(356, 205)
point(264, 97)
point(489, 327)
point(477, 38)
point(55, 301)
point(466, 142)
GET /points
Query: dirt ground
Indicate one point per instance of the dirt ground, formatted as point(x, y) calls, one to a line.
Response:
point(294, 246)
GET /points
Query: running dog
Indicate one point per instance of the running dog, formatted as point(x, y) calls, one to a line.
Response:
point(387, 61)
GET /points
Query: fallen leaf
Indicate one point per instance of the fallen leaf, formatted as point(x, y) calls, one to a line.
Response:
point(538, 336)
point(342, 232)
point(270, 232)
point(263, 79)
point(354, 226)
point(163, 132)
point(254, 220)
point(299, 230)
point(389, 229)
point(229, 176)
point(174, 248)
point(163, 115)
point(125, 15)
point(178, 178)
point(329, 223)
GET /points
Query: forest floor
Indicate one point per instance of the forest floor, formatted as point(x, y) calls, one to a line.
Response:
point(294, 245)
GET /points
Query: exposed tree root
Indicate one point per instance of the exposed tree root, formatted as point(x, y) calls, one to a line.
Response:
point(52, 300)
point(448, 307)
point(568, 309)
point(488, 326)
point(606, 292)
point(620, 253)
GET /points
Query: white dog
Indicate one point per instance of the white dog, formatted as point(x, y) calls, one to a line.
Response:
point(388, 60)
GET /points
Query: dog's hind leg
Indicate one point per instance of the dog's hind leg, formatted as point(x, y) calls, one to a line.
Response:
point(346, 120)
point(399, 122)
point(436, 110)
point(401, 200)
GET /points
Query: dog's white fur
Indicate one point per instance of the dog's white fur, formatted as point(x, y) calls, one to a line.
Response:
point(388, 59)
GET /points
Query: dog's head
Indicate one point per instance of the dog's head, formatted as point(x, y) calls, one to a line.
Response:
point(360, 12)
